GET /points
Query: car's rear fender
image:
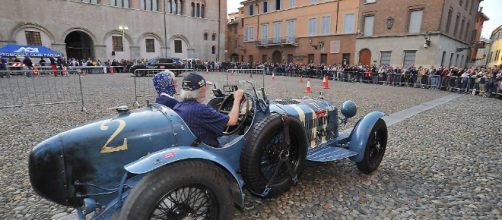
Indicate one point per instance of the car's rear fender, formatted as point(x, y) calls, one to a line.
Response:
point(361, 132)
point(168, 156)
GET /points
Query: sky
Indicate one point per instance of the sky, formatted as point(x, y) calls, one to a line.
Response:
point(491, 8)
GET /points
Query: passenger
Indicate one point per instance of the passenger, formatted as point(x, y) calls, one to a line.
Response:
point(165, 85)
point(206, 123)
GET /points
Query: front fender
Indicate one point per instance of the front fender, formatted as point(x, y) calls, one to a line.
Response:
point(360, 134)
point(161, 158)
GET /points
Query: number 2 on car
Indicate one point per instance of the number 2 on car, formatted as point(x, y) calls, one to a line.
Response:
point(110, 149)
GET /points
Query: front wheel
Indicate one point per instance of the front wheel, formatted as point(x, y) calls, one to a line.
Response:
point(184, 190)
point(375, 148)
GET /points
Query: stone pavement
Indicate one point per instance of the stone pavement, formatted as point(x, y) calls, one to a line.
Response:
point(441, 163)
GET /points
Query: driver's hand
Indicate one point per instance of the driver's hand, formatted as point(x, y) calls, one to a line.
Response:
point(238, 94)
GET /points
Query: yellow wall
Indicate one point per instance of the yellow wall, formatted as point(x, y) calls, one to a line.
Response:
point(496, 46)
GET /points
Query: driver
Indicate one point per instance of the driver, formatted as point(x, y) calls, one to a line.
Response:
point(206, 123)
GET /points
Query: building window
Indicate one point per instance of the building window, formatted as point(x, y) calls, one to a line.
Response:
point(385, 57)
point(448, 21)
point(313, 1)
point(466, 5)
point(442, 58)
point(466, 37)
point(292, 3)
point(33, 38)
point(202, 11)
point(370, 1)
point(451, 60)
point(312, 26)
point(249, 35)
point(117, 43)
point(310, 58)
point(213, 50)
point(251, 10)
point(460, 2)
point(120, 3)
point(368, 25)
point(251, 59)
point(265, 7)
point(264, 33)
point(149, 5)
point(324, 58)
point(415, 21)
point(457, 21)
point(409, 58)
point(278, 5)
point(348, 23)
point(213, 37)
point(325, 24)
point(291, 31)
point(178, 48)
point(277, 32)
point(197, 12)
point(205, 36)
point(150, 45)
point(193, 9)
point(461, 29)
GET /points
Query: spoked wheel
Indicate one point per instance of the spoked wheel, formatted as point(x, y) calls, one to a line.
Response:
point(375, 148)
point(273, 156)
point(189, 202)
point(184, 190)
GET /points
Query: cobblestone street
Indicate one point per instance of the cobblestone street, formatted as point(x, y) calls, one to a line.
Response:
point(443, 163)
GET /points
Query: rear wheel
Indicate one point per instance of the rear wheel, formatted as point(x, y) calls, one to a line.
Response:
point(184, 190)
point(375, 148)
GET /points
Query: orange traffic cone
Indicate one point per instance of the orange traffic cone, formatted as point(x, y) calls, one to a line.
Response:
point(325, 82)
point(273, 76)
point(308, 89)
point(301, 79)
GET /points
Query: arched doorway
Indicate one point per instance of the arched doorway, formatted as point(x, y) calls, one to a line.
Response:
point(277, 57)
point(365, 57)
point(79, 45)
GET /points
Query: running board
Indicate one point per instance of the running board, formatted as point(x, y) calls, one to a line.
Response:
point(329, 153)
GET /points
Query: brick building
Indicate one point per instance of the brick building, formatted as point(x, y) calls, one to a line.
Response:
point(298, 31)
point(233, 38)
point(90, 28)
point(416, 32)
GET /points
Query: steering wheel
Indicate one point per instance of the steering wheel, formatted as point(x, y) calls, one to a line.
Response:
point(244, 110)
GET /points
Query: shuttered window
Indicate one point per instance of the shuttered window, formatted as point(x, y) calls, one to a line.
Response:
point(415, 21)
point(312, 26)
point(409, 57)
point(348, 23)
point(325, 24)
point(368, 25)
point(385, 57)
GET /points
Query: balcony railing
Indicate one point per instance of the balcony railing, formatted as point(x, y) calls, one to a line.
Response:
point(268, 42)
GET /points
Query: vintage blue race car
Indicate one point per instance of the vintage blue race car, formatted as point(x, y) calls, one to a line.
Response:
point(147, 164)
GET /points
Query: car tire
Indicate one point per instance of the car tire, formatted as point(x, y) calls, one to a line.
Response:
point(260, 154)
point(375, 148)
point(176, 189)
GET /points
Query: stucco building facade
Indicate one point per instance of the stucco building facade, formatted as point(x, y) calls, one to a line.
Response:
point(91, 28)
point(495, 56)
point(416, 32)
point(298, 31)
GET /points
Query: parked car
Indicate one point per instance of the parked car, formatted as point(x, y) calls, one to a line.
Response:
point(147, 163)
point(144, 69)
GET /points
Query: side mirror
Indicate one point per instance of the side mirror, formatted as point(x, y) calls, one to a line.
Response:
point(349, 109)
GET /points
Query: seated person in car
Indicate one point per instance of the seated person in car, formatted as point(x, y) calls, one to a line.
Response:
point(165, 85)
point(206, 123)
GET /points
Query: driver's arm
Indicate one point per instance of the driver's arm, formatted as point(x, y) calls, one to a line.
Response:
point(234, 113)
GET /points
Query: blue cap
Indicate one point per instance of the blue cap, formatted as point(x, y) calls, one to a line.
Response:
point(193, 81)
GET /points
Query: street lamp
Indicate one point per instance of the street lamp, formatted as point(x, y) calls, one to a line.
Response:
point(123, 29)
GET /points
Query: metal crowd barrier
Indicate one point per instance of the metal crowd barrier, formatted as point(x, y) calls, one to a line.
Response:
point(252, 73)
point(19, 88)
point(143, 84)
